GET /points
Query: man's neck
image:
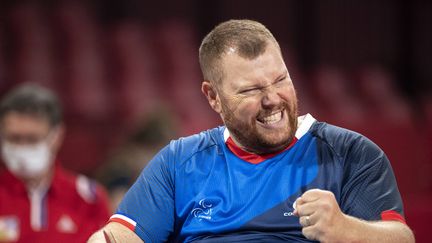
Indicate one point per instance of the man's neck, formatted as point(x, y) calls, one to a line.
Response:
point(39, 183)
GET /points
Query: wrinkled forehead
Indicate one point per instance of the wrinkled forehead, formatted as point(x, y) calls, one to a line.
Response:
point(267, 65)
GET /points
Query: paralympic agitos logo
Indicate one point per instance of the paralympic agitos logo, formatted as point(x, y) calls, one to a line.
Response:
point(204, 210)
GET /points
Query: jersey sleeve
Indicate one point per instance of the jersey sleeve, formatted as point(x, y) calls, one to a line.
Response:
point(370, 190)
point(148, 207)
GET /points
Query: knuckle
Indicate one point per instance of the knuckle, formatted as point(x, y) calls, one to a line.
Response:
point(326, 194)
point(326, 205)
point(330, 195)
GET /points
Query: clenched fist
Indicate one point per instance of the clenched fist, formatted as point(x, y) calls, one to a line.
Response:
point(321, 216)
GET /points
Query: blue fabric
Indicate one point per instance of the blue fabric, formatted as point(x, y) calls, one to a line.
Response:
point(196, 189)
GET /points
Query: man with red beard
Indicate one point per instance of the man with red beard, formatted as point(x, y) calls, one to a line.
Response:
point(267, 175)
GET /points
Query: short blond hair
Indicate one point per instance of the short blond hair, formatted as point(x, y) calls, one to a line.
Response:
point(249, 38)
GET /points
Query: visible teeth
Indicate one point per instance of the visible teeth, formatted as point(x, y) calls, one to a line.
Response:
point(272, 118)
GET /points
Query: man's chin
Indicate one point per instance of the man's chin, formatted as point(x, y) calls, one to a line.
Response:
point(275, 137)
point(269, 146)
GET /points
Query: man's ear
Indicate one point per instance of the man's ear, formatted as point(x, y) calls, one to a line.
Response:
point(212, 96)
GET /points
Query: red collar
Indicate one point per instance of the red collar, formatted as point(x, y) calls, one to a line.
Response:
point(16, 185)
point(251, 157)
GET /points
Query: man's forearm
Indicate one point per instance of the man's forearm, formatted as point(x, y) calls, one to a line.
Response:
point(97, 237)
point(380, 231)
point(114, 233)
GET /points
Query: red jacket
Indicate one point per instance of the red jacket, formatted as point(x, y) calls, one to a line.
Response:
point(70, 210)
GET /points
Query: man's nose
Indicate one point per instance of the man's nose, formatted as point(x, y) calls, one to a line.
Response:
point(270, 98)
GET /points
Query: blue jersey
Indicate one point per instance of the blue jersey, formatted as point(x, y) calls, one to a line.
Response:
point(198, 189)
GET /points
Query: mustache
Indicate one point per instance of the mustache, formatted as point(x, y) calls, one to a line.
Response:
point(280, 107)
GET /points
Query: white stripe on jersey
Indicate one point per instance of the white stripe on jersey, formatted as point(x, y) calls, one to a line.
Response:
point(122, 217)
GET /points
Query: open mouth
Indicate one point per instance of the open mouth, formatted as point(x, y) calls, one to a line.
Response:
point(273, 118)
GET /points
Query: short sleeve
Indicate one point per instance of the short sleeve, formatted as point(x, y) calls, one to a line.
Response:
point(148, 207)
point(369, 189)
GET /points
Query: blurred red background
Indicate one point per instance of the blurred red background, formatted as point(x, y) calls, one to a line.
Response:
point(364, 66)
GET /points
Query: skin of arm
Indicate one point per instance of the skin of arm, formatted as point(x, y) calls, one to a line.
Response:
point(114, 233)
point(380, 231)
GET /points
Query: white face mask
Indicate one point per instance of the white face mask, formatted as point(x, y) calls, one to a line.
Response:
point(27, 161)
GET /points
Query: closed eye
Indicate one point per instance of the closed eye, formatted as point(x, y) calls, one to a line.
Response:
point(250, 91)
point(283, 78)
point(281, 81)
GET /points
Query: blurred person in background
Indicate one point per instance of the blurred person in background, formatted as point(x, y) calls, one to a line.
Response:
point(39, 200)
point(268, 175)
point(125, 163)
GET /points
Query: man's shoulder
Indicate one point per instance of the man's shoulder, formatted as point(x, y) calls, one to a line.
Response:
point(209, 136)
point(343, 140)
point(331, 132)
point(335, 136)
point(187, 146)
